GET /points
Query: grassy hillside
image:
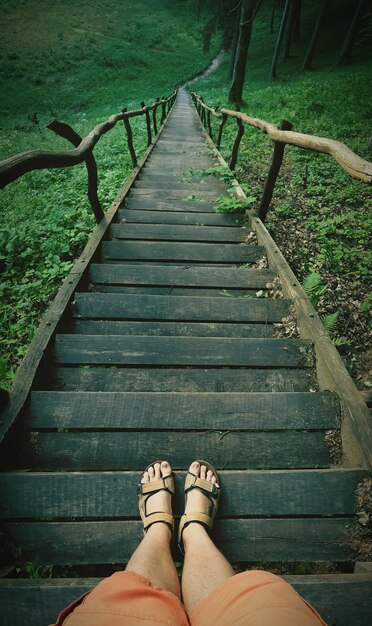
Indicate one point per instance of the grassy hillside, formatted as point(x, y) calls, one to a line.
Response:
point(80, 62)
point(321, 217)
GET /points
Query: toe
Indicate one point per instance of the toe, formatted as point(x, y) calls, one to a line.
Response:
point(165, 468)
point(210, 476)
point(157, 474)
point(203, 472)
point(151, 472)
point(194, 468)
point(145, 477)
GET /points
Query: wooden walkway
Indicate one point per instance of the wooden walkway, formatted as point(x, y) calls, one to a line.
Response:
point(165, 351)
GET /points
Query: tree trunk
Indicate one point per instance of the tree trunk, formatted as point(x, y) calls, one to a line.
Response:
point(297, 20)
point(315, 36)
point(234, 46)
point(245, 31)
point(280, 39)
point(345, 56)
point(291, 21)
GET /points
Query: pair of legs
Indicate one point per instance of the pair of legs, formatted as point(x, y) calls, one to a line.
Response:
point(204, 565)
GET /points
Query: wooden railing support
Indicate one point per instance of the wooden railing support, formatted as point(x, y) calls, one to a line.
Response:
point(67, 132)
point(220, 130)
point(128, 130)
point(163, 110)
point(273, 173)
point(148, 123)
point(209, 127)
point(235, 150)
point(155, 108)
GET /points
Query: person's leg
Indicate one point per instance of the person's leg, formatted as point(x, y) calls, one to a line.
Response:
point(153, 559)
point(204, 566)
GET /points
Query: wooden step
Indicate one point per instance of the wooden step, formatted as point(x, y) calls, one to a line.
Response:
point(179, 380)
point(174, 194)
point(185, 308)
point(190, 206)
point(226, 278)
point(316, 524)
point(170, 232)
point(177, 217)
point(181, 351)
point(182, 252)
point(173, 329)
point(124, 428)
point(342, 599)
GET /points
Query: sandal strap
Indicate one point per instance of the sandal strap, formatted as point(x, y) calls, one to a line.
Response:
point(166, 483)
point(195, 482)
point(188, 518)
point(153, 518)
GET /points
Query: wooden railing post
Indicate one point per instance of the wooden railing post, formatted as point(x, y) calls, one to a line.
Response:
point(156, 104)
point(67, 132)
point(163, 111)
point(209, 127)
point(235, 150)
point(129, 138)
point(273, 173)
point(220, 130)
point(148, 123)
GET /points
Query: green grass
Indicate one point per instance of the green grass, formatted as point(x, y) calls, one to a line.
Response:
point(84, 62)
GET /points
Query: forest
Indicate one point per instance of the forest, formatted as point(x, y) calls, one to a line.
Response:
point(308, 62)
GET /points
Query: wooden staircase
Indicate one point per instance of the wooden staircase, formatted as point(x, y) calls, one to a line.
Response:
point(166, 350)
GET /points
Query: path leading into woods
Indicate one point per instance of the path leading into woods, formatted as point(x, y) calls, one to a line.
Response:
point(168, 352)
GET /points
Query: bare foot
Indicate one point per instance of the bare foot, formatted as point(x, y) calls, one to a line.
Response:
point(161, 501)
point(196, 501)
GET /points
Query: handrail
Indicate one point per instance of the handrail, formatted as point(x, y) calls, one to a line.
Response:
point(19, 164)
point(353, 164)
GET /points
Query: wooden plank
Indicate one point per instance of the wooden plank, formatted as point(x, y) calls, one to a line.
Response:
point(132, 450)
point(151, 183)
point(174, 329)
point(174, 194)
point(179, 411)
point(196, 206)
point(26, 495)
point(163, 380)
point(186, 308)
point(226, 278)
point(184, 252)
point(194, 351)
point(170, 232)
point(214, 292)
point(178, 217)
point(240, 540)
point(342, 599)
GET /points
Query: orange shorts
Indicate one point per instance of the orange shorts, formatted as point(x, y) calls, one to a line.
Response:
point(252, 598)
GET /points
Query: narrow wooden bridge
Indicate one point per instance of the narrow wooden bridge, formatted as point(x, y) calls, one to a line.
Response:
point(164, 349)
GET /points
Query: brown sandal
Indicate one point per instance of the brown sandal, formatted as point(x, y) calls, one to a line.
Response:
point(145, 491)
point(210, 490)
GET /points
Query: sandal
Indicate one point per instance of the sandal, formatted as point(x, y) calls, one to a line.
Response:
point(210, 490)
point(145, 491)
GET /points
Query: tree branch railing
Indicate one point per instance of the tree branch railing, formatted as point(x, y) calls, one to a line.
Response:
point(351, 163)
point(16, 166)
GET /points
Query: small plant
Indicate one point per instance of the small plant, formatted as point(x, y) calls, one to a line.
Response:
point(313, 287)
point(231, 204)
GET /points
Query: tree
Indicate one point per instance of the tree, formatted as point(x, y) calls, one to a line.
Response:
point(345, 56)
point(245, 31)
point(280, 38)
point(315, 35)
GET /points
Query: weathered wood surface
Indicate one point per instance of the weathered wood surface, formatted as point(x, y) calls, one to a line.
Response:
point(169, 232)
point(342, 599)
point(94, 542)
point(229, 278)
point(180, 251)
point(136, 216)
point(255, 493)
point(169, 290)
point(192, 351)
point(225, 448)
point(182, 380)
point(177, 204)
point(180, 411)
point(173, 329)
point(173, 308)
